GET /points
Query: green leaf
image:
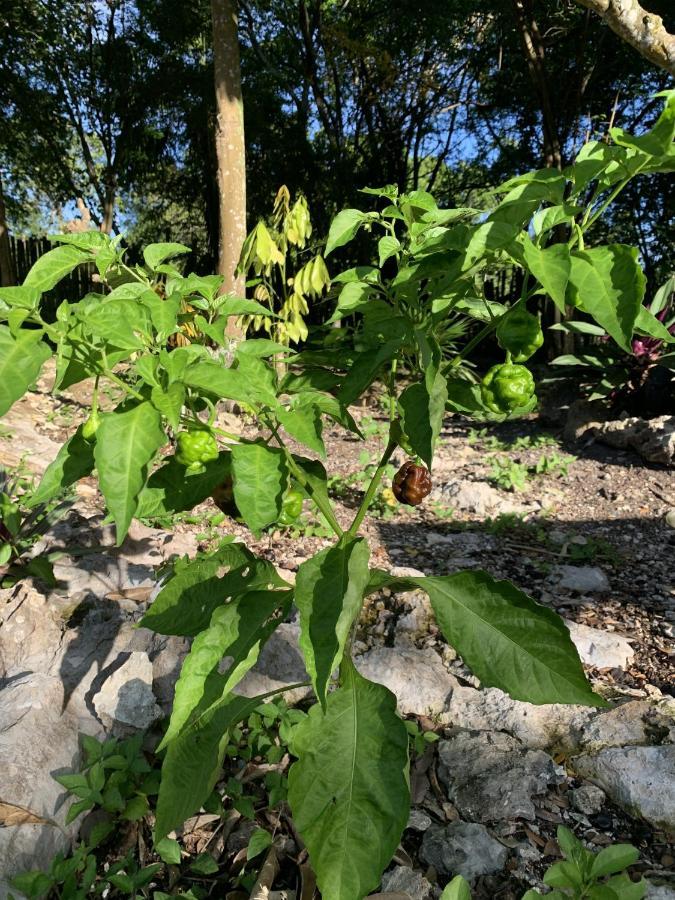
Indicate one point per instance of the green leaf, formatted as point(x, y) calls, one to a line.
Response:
point(508, 640)
point(169, 402)
point(260, 476)
point(237, 630)
point(564, 875)
point(316, 477)
point(656, 141)
point(193, 762)
point(387, 247)
point(305, 425)
point(260, 840)
point(118, 322)
point(55, 265)
point(204, 864)
point(365, 368)
point(551, 267)
point(21, 359)
point(126, 443)
point(353, 296)
point(155, 254)
point(168, 851)
point(613, 859)
point(232, 384)
point(422, 415)
point(343, 228)
point(610, 286)
point(348, 791)
point(647, 323)
point(186, 603)
point(171, 488)
point(329, 591)
point(74, 460)
point(240, 306)
point(163, 312)
point(20, 296)
point(458, 889)
point(625, 889)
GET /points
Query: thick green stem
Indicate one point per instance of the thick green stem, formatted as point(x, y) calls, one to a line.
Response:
point(372, 487)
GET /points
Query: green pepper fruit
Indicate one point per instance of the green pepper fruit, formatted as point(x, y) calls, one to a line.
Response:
point(291, 507)
point(507, 387)
point(195, 448)
point(519, 333)
point(90, 427)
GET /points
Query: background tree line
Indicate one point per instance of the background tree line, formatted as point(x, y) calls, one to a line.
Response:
point(111, 106)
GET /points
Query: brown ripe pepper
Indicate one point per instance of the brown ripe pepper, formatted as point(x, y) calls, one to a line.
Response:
point(412, 483)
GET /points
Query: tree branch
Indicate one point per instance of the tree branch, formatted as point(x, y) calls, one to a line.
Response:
point(644, 31)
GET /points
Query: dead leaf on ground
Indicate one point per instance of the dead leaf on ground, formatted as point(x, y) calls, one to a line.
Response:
point(11, 814)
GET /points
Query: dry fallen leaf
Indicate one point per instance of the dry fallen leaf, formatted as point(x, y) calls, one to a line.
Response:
point(11, 814)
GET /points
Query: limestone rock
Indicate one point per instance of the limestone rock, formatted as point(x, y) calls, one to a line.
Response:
point(407, 882)
point(126, 702)
point(418, 678)
point(492, 777)
point(583, 579)
point(280, 664)
point(463, 848)
point(653, 439)
point(601, 649)
point(588, 799)
point(639, 779)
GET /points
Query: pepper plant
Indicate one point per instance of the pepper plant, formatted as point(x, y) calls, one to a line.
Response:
point(348, 789)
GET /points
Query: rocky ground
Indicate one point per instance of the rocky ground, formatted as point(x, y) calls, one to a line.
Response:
point(591, 535)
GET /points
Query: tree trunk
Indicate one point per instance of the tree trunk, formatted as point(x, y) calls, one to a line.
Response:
point(108, 209)
point(644, 31)
point(7, 274)
point(230, 147)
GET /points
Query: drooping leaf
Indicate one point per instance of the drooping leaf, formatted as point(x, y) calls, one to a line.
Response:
point(343, 228)
point(260, 476)
point(610, 286)
point(366, 367)
point(508, 640)
point(126, 443)
point(422, 414)
point(186, 603)
point(21, 359)
point(305, 425)
point(194, 759)
point(329, 591)
point(551, 268)
point(55, 265)
point(348, 791)
point(237, 629)
point(169, 402)
point(74, 460)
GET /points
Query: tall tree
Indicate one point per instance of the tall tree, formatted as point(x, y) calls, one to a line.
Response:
point(7, 275)
point(230, 145)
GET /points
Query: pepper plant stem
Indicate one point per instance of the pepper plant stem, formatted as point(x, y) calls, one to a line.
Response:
point(372, 487)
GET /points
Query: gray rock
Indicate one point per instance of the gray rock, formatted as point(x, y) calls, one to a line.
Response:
point(549, 726)
point(462, 848)
point(491, 777)
point(640, 779)
point(418, 678)
point(588, 799)
point(584, 579)
point(279, 665)
point(660, 892)
point(407, 882)
point(601, 649)
point(634, 723)
point(126, 702)
point(36, 743)
point(418, 820)
point(477, 497)
point(653, 439)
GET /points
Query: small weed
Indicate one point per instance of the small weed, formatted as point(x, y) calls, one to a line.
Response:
point(508, 475)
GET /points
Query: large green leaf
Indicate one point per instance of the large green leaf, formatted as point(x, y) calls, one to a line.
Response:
point(238, 384)
point(260, 476)
point(237, 629)
point(194, 759)
point(316, 477)
point(74, 460)
point(658, 140)
point(21, 359)
point(348, 791)
point(186, 603)
point(422, 414)
point(55, 265)
point(155, 254)
point(647, 323)
point(126, 443)
point(20, 296)
point(329, 591)
point(364, 370)
point(171, 488)
point(551, 268)
point(343, 228)
point(119, 322)
point(610, 286)
point(507, 639)
point(305, 425)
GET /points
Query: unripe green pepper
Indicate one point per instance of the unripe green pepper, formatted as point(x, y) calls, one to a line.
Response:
point(291, 507)
point(520, 334)
point(90, 427)
point(195, 448)
point(507, 387)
